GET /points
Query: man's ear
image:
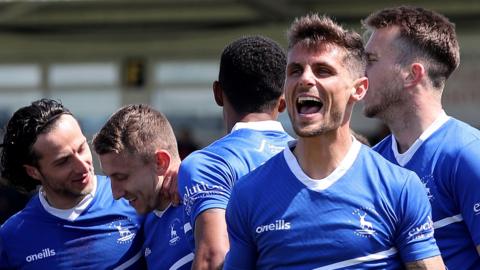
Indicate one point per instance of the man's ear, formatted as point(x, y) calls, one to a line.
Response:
point(218, 93)
point(162, 161)
point(282, 105)
point(33, 172)
point(416, 73)
point(360, 87)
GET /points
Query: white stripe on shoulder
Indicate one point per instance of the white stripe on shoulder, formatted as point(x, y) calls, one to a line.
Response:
point(130, 262)
point(447, 221)
point(186, 259)
point(371, 257)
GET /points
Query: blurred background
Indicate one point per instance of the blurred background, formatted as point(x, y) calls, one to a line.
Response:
point(97, 55)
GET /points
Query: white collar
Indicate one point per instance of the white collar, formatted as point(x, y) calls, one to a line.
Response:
point(74, 212)
point(160, 213)
point(322, 184)
point(259, 125)
point(405, 157)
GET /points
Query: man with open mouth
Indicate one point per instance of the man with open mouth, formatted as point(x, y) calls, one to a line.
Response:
point(327, 201)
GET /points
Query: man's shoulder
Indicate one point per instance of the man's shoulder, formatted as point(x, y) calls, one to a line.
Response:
point(264, 175)
point(384, 145)
point(28, 219)
point(376, 163)
point(460, 134)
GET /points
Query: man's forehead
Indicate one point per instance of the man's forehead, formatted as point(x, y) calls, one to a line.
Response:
point(328, 50)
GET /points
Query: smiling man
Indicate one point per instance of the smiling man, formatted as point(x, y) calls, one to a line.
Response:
point(326, 201)
point(138, 151)
point(73, 222)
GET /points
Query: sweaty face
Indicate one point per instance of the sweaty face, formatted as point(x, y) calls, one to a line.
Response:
point(383, 72)
point(317, 89)
point(133, 179)
point(65, 166)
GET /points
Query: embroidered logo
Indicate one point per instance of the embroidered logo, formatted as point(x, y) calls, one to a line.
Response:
point(174, 226)
point(278, 225)
point(199, 191)
point(423, 231)
point(429, 184)
point(122, 228)
point(366, 228)
point(45, 253)
point(270, 148)
point(148, 251)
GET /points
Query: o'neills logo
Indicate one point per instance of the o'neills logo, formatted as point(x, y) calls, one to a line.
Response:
point(46, 252)
point(279, 225)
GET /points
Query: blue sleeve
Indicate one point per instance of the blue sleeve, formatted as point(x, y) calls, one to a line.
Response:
point(415, 226)
point(242, 254)
point(3, 254)
point(204, 182)
point(466, 186)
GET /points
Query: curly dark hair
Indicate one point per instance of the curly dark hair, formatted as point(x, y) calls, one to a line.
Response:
point(252, 73)
point(314, 30)
point(424, 34)
point(21, 133)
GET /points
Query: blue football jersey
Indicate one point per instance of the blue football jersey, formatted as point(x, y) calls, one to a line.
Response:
point(100, 233)
point(206, 177)
point(367, 214)
point(446, 158)
point(166, 245)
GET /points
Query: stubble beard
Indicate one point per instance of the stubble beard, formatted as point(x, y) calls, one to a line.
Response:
point(325, 127)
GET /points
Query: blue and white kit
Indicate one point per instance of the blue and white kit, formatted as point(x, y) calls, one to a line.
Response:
point(166, 246)
point(206, 177)
point(446, 157)
point(367, 214)
point(99, 233)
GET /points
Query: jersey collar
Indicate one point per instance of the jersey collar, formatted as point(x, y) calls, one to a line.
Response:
point(259, 125)
point(321, 184)
point(404, 158)
point(73, 213)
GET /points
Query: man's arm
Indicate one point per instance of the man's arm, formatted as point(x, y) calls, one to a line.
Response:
point(478, 250)
point(432, 263)
point(211, 240)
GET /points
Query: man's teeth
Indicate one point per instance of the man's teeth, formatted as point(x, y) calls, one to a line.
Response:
point(307, 99)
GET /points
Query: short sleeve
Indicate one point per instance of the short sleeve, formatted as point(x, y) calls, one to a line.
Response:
point(205, 182)
point(414, 237)
point(466, 185)
point(3, 254)
point(242, 254)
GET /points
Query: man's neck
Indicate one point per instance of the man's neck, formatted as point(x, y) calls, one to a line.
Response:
point(319, 156)
point(409, 125)
point(250, 117)
point(62, 201)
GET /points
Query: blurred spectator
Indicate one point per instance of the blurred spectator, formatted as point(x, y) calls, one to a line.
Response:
point(186, 143)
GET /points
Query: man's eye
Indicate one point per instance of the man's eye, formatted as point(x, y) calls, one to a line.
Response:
point(294, 71)
point(62, 161)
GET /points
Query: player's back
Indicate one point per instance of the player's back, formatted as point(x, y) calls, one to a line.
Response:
point(206, 177)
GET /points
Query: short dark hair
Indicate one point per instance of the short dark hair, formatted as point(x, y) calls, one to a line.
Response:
point(21, 133)
point(136, 129)
point(252, 73)
point(424, 34)
point(313, 30)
